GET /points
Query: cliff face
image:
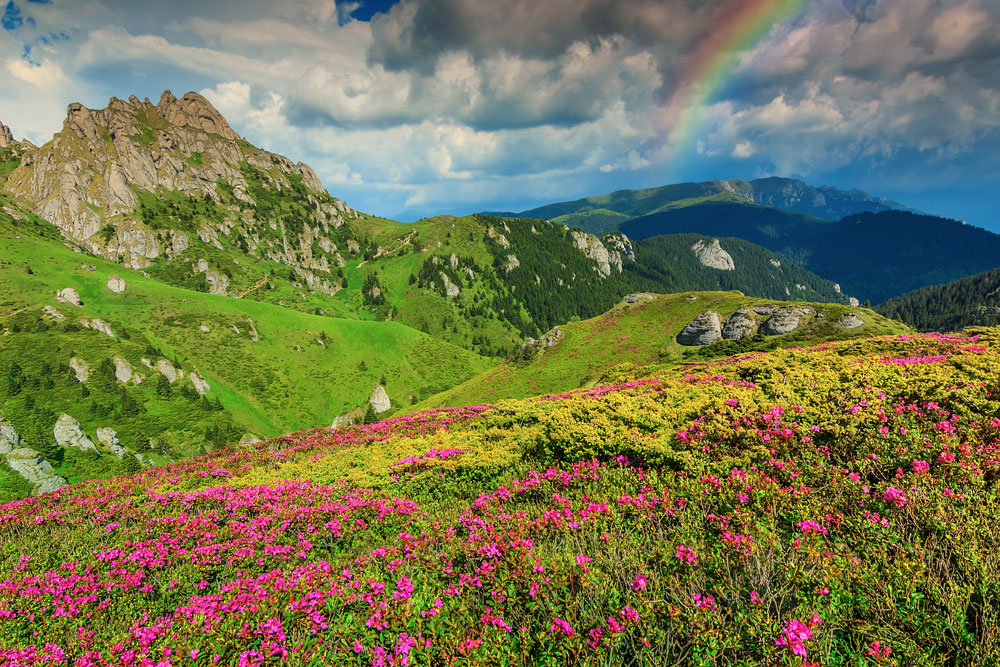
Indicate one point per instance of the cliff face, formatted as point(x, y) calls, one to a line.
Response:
point(92, 173)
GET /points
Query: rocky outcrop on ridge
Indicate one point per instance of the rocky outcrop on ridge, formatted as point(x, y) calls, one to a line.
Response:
point(109, 438)
point(68, 433)
point(712, 255)
point(10, 439)
point(70, 296)
point(849, 321)
point(91, 174)
point(740, 325)
point(6, 136)
point(783, 321)
point(592, 247)
point(702, 330)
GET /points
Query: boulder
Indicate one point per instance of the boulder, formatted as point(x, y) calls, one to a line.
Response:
point(70, 296)
point(450, 288)
point(10, 439)
point(782, 322)
point(68, 433)
point(168, 371)
point(6, 136)
point(88, 267)
point(342, 420)
point(379, 400)
point(248, 439)
point(116, 283)
point(98, 325)
point(123, 370)
point(636, 298)
point(80, 368)
point(711, 254)
point(53, 313)
point(30, 465)
point(764, 310)
point(702, 330)
point(849, 321)
point(740, 325)
point(111, 441)
point(199, 383)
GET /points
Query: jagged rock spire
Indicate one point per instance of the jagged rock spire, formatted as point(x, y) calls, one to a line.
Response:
point(6, 137)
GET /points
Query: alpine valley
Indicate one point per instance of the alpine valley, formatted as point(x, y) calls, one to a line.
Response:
point(243, 423)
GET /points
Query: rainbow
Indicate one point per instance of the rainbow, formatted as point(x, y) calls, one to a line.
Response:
point(743, 24)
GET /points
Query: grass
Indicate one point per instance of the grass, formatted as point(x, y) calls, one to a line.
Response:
point(636, 335)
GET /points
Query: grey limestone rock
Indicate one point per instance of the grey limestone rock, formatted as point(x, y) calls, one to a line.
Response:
point(248, 439)
point(6, 136)
point(200, 385)
point(70, 296)
point(712, 255)
point(764, 310)
point(53, 313)
point(379, 399)
point(110, 439)
point(116, 283)
point(10, 439)
point(739, 325)
point(123, 369)
point(68, 433)
point(702, 330)
point(30, 465)
point(98, 324)
point(849, 321)
point(80, 368)
point(636, 298)
point(167, 370)
point(781, 322)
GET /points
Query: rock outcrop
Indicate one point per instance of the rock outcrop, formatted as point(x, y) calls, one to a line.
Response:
point(68, 433)
point(6, 136)
point(702, 330)
point(53, 313)
point(167, 370)
point(849, 321)
point(379, 399)
point(592, 247)
point(98, 324)
point(30, 465)
point(782, 321)
point(740, 325)
point(200, 385)
point(70, 296)
point(450, 288)
point(80, 368)
point(10, 439)
point(123, 370)
point(87, 177)
point(636, 298)
point(711, 254)
point(248, 439)
point(109, 438)
point(116, 283)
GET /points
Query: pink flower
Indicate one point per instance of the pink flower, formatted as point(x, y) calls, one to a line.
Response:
point(704, 601)
point(561, 627)
point(639, 583)
point(921, 467)
point(895, 496)
point(793, 635)
point(755, 599)
point(687, 555)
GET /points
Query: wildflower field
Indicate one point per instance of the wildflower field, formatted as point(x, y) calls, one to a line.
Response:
point(827, 506)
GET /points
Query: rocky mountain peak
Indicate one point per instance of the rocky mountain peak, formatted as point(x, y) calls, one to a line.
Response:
point(6, 137)
point(89, 178)
point(195, 111)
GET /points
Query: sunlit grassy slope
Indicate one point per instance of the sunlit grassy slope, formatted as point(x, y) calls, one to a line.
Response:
point(644, 333)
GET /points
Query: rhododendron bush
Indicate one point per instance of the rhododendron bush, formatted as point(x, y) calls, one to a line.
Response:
point(829, 506)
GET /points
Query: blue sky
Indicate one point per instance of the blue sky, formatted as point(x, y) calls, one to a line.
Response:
point(427, 106)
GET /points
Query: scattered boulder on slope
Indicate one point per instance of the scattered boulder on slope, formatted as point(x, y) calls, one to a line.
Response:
point(123, 369)
point(68, 433)
point(248, 439)
point(70, 296)
point(110, 439)
point(702, 330)
point(30, 465)
point(168, 371)
point(711, 254)
point(116, 283)
point(849, 321)
point(98, 325)
point(782, 321)
point(53, 313)
point(636, 298)
point(80, 368)
point(739, 325)
point(10, 439)
point(379, 400)
point(200, 385)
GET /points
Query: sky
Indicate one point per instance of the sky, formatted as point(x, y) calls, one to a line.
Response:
point(419, 107)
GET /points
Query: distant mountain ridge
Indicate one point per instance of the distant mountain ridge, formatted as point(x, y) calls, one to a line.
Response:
point(604, 212)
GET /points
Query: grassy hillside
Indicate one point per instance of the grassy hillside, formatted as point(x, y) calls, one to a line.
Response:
point(827, 506)
point(271, 369)
point(640, 334)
